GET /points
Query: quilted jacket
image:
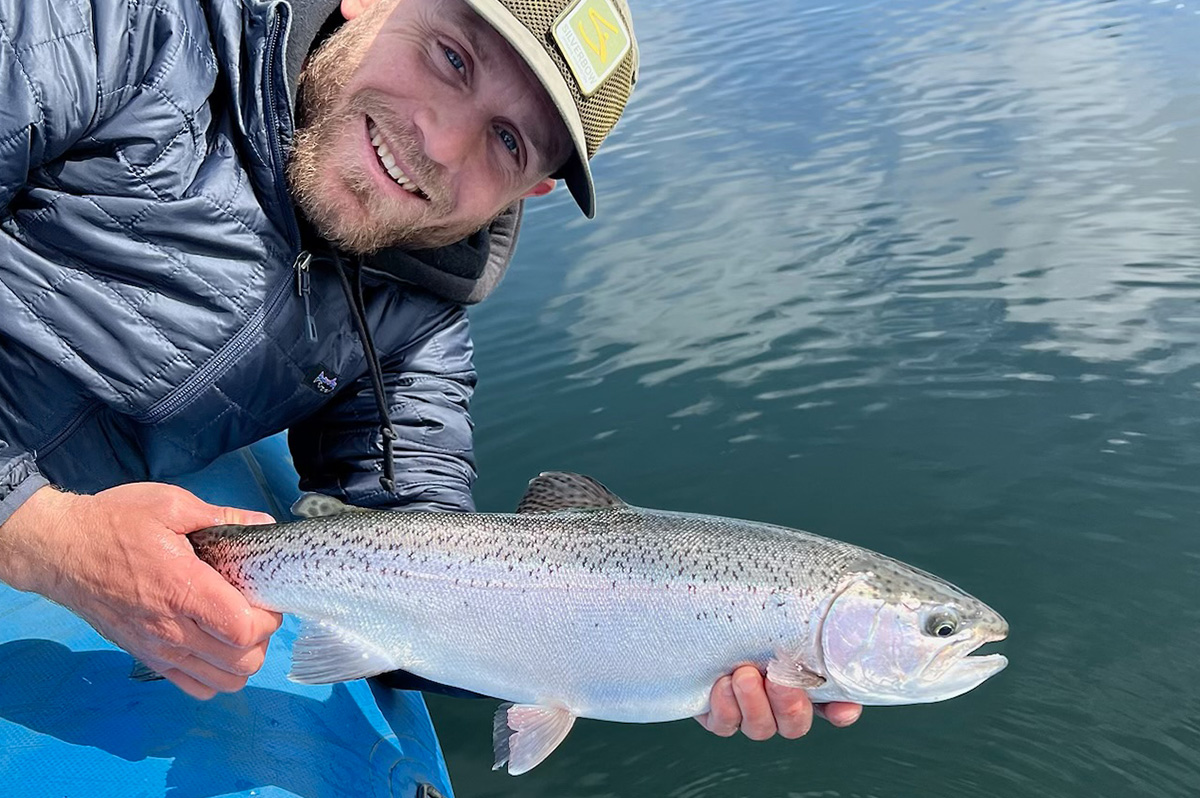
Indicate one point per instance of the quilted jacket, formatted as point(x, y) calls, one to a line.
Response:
point(157, 304)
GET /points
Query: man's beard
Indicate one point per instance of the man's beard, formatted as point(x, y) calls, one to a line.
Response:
point(374, 219)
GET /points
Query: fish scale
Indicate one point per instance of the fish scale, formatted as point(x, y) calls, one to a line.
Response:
point(533, 569)
point(579, 605)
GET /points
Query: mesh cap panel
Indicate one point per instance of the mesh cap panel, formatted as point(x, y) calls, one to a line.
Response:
point(601, 110)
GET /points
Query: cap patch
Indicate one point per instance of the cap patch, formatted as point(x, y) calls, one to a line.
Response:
point(593, 40)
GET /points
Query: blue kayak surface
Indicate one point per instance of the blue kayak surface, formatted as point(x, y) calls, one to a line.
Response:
point(72, 722)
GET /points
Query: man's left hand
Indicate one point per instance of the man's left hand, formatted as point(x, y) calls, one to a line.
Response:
point(746, 701)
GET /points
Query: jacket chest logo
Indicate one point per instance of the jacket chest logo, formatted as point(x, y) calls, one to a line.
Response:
point(321, 379)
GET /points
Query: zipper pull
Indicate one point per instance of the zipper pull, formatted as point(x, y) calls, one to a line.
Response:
point(304, 288)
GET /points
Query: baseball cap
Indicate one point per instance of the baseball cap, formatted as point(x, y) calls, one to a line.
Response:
point(583, 52)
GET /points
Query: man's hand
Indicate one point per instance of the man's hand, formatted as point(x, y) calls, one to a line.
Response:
point(746, 701)
point(119, 559)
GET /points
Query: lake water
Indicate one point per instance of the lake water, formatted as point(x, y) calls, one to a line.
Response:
point(919, 276)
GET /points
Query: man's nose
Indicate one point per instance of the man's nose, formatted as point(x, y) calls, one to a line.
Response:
point(449, 135)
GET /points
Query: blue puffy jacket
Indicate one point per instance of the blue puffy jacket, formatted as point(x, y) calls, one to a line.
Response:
point(153, 309)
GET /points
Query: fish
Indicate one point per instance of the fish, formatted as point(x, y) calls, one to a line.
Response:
point(581, 605)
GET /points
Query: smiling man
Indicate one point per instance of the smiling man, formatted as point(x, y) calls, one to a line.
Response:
point(422, 123)
point(226, 219)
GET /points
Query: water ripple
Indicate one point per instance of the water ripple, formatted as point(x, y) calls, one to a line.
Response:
point(1019, 153)
point(923, 275)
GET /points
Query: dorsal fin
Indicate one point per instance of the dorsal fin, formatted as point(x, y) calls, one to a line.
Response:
point(555, 491)
point(318, 505)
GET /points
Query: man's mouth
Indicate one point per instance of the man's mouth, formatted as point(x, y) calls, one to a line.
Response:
point(388, 162)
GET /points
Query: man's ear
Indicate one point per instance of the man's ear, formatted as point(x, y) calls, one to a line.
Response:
point(352, 8)
point(542, 188)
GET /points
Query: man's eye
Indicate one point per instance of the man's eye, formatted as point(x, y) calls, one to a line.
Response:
point(509, 140)
point(455, 60)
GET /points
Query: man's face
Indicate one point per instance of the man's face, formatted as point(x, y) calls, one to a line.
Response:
point(421, 124)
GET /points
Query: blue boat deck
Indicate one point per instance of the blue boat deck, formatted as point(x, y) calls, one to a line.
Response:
point(72, 722)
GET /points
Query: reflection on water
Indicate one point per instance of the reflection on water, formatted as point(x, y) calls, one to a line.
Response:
point(1039, 156)
point(923, 276)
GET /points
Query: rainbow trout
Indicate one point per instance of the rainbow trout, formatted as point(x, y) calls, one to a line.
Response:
point(580, 605)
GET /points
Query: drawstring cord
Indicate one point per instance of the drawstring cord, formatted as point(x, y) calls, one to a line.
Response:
point(358, 312)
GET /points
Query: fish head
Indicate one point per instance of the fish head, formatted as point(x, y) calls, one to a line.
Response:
point(897, 635)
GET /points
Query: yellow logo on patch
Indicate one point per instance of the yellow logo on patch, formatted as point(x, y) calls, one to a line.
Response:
point(593, 38)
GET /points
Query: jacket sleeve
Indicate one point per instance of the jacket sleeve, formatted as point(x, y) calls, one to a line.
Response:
point(48, 82)
point(60, 73)
point(19, 478)
point(339, 450)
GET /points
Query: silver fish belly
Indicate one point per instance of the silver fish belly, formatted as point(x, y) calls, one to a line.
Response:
point(580, 605)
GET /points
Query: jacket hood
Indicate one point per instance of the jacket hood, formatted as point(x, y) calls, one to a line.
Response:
point(465, 272)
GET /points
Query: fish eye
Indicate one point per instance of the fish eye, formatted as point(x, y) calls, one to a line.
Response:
point(942, 624)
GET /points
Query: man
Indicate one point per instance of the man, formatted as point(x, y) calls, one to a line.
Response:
point(227, 219)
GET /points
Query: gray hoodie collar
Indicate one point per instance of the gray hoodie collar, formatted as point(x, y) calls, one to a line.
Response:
point(307, 18)
point(465, 272)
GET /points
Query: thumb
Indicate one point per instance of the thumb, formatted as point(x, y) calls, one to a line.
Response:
point(204, 514)
point(233, 515)
point(176, 508)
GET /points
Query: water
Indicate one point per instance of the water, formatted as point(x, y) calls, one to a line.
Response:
point(920, 276)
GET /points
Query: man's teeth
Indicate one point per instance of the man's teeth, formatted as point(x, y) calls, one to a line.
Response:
point(389, 163)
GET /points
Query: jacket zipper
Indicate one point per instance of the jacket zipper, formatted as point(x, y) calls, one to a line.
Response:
point(219, 363)
point(304, 258)
point(214, 369)
point(304, 289)
point(229, 354)
point(235, 348)
point(274, 56)
point(67, 429)
point(232, 351)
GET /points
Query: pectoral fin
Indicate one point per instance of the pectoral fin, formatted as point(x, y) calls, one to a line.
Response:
point(525, 734)
point(327, 653)
point(141, 672)
point(790, 673)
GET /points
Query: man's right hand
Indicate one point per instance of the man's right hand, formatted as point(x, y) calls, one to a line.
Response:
point(121, 561)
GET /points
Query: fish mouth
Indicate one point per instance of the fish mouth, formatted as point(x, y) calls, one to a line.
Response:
point(970, 672)
point(968, 669)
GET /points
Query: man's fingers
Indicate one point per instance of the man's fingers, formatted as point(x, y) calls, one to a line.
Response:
point(214, 514)
point(185, 512)
point(232, 515)
point(222, 611)
point(136, 579)
point(187, 684)
point(758, 722)
point(264, 623)
point(240, 628)
point(208, 675)
point(231, 659)
point(839, 713)
point(203, 666)
point(207, 515)
point(724, 716)
point(249, 628)
point(792, 708)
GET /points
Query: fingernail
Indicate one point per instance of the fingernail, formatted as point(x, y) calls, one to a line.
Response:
point(744, 679)
point(844, 717)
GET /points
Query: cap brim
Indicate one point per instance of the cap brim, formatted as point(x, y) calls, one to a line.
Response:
point(578, 177)
point(576, 173)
